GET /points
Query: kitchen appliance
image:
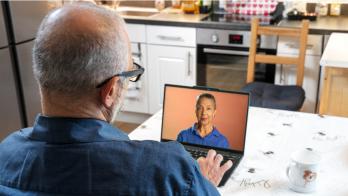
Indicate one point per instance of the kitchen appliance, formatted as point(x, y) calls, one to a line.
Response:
point(19, 97)
point(222, 58)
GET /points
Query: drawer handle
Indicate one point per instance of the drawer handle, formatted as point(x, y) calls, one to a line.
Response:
point(170, 38)
point(137, 54)
point(189, 64)
point(294, 46)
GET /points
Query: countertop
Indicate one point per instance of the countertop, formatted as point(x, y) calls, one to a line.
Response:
point(184, 20)
point(335, 54)
point(323, 25)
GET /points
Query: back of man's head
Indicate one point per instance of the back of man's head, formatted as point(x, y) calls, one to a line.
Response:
point(77, 47)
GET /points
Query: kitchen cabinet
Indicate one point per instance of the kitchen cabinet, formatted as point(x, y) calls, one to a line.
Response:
point(171, 60)
point(335, 92)
point(136, 98)
point(168, 55)
point(169, 65)
point(286, 74)
point(334, 62)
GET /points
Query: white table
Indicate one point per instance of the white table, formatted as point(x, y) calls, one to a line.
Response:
point(281, 132)
point(334, 95)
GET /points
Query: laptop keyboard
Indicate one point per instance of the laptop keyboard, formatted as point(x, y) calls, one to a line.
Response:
point(197, 152)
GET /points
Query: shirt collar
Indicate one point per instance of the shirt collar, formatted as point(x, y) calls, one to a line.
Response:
point(194, 130)
point(73, 130)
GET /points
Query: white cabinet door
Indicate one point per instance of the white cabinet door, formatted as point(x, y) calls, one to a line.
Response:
point(169, 65)
point(136, 98)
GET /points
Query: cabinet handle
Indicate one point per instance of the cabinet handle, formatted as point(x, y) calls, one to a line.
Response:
point(170, 38)
point(294, 46)
point(137, 54)
point(189, 64)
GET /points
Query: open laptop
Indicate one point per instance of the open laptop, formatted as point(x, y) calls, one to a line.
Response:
point(181, 118)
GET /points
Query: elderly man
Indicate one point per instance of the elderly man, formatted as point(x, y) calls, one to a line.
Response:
point(82, 62)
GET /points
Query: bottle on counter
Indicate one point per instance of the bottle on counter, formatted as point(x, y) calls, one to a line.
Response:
point(205, 6)
point(221, 7)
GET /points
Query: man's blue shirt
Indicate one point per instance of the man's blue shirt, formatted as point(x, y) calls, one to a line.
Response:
point(72, 156)
point(191, 135)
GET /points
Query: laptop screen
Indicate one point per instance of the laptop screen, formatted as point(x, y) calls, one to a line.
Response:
point(203, 117)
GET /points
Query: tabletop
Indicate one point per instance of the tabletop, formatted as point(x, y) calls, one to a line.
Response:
point(272, 135)
point(335, 53)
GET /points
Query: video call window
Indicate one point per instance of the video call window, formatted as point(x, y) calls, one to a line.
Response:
point(208, 118)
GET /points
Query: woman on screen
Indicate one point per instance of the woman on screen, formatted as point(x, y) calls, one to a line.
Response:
point(203, 131)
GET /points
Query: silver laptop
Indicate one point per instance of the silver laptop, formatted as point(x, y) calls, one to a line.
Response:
point(203, 118)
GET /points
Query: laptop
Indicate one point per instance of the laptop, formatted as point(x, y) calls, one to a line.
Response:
point(204, 118)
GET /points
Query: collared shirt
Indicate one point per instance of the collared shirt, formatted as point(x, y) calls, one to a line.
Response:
point(72, 156)
point(214, 138)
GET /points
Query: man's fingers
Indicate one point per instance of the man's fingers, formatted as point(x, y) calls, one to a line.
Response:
point(211, 155)
point(202, 163)
point(200, 159)
point(217, 160)
point(226, 166)
point(214, 172)
point(210, 166)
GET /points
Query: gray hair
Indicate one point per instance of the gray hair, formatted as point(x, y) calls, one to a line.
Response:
point(207, 96)
point(75, 62)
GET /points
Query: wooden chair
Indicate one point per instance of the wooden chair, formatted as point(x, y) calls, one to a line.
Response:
point(288, 97)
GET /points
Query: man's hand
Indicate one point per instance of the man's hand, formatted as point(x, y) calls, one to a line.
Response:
point(210, 167)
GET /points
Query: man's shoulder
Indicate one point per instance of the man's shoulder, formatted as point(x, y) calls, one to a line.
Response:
point(16, 137)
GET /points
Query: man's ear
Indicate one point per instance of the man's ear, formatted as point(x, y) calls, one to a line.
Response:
point(108, 92)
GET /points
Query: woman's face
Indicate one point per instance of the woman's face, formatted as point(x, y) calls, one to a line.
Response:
point(205, 111)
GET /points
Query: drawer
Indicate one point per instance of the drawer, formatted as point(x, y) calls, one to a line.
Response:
point(177, 36)
point(136, 32)
point(289, 45)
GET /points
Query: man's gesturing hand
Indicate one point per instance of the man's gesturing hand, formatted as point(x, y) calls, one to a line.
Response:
point(210, 167)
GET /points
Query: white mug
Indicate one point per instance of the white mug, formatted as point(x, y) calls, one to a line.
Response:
point(303, 170)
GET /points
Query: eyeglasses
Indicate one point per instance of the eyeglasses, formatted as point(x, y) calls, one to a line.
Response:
point(133, 75)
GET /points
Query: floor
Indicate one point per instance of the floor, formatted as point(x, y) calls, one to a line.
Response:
point(126, 127)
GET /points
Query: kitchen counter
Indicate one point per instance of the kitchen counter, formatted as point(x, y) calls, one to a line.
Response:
point(323, 25)
point(185, 20)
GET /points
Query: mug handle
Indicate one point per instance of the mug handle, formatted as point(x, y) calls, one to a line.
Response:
point(288, 169)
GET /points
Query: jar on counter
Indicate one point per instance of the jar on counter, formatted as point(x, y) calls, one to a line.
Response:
point(321, 9)
point(335, 9)
point(189, 6)
point(159, 4)
point(176, 4)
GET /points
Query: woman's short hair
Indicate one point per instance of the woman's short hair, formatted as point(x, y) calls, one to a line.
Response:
point(207, 96)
